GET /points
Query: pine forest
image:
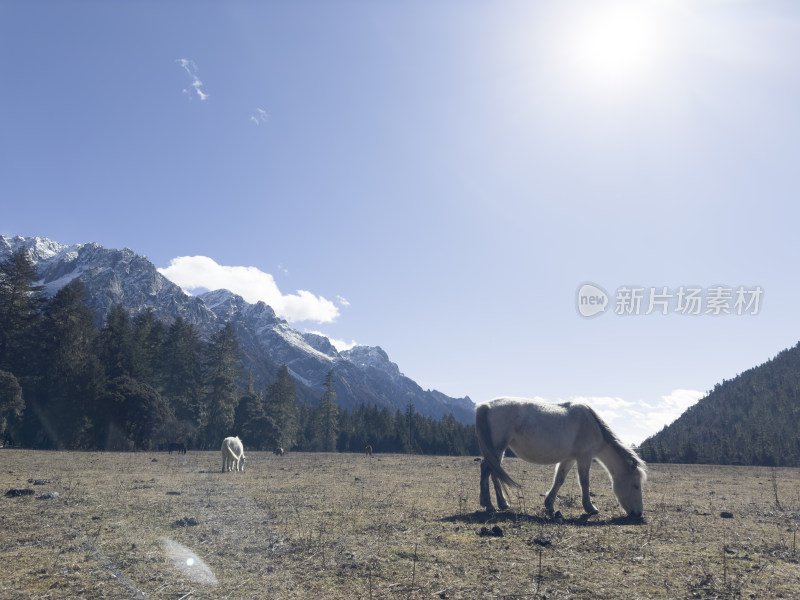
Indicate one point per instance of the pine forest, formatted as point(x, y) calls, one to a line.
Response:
point(137, 383)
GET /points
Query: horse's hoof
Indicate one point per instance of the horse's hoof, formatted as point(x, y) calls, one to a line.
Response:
point(490, 509)
point(638, 519)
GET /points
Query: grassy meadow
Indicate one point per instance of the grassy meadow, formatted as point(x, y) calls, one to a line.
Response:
point(343, 526)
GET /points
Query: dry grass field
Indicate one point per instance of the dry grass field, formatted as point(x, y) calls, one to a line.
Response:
point(334, 526)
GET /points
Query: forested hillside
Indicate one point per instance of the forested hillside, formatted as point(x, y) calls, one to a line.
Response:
point(753, 419)
point(115, 279)
point(138, 383)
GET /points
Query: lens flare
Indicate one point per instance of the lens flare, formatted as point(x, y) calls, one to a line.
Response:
point(188, 563)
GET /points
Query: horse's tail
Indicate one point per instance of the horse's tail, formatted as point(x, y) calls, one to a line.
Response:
point(484, 433)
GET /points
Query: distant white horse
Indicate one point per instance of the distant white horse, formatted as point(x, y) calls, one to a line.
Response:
point(562, 434)
point(232, 454)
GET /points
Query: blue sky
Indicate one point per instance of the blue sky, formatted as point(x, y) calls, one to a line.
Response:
point(437, 178)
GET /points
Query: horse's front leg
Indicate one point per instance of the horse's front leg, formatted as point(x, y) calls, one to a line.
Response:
point(562, 469)
point(583, 479)
point(486, 499)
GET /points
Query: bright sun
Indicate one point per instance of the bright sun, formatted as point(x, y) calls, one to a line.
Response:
point(615, 46)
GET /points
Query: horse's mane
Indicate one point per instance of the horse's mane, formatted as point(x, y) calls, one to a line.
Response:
point(613, 440)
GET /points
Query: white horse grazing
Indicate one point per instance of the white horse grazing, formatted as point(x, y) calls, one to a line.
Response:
point(546, 434)
point(232, 454)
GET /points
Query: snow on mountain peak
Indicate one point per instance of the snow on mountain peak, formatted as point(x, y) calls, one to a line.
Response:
point(363, 373)
point(320, 343)
point(38, 248)
point(372, 356)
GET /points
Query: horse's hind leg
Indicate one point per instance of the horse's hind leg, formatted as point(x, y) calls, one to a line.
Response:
point(486, 499)
point(562, 469)
point(502, 501)
point(583, 479)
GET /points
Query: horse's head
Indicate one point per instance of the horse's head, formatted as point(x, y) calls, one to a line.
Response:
point(628, 489)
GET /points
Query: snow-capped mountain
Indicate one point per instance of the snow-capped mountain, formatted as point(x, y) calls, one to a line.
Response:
point(361, 375)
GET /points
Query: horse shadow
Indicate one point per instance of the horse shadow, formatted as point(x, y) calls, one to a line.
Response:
point(482, 517)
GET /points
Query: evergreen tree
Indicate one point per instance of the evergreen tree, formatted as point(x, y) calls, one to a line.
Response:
point(391, 437)
point(181, 373)
point(21, 300)
point(148, 337)
point(305, 426)
point(240, 417)
point(253, 423)
point(326, 421)
point(12, 406)
point(222, 372)
point(117, 344)
point(133, 415)
point(281, 409)
point(72, 376)
point(407, 426)
point(448, 428)
point(346, 439)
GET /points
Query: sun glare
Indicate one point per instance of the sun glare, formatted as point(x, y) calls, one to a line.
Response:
point(615, 46)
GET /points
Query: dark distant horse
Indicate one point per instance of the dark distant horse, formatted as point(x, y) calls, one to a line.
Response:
point(180, 448)
point(278, 451)
point(368, 450)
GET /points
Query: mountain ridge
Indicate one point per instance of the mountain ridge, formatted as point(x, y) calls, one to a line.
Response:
point(362, 374)
point(752, 419)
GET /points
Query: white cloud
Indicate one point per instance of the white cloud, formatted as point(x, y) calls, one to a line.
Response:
point(635, 421)
point(200, 273)
point(260, 116)
point(609, 402)
point(341, 345)
point(191, 69)
point(342, 301)
point(197, 84)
